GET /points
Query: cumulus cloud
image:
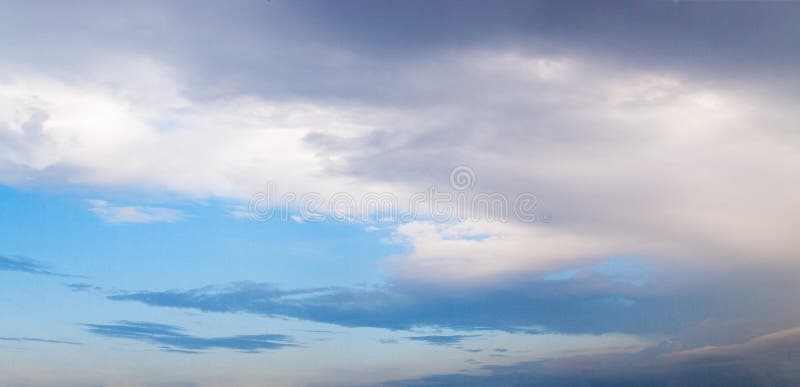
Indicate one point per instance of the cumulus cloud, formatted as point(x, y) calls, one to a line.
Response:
point(119, 133)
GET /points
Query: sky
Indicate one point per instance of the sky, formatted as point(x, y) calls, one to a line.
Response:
point(400, 193)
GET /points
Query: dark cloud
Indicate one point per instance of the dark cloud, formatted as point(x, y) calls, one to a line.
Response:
point(441, 339)
point(26, 265)
point(345, 50)
point(516, 308)
point(709, 313)
point(171, 338)
point(767, 360)
point(382, 27)
point(37, 340)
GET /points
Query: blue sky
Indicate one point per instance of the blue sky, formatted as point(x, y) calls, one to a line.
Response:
point(476, 193)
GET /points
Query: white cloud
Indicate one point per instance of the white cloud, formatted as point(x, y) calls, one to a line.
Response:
point(239, 212)
point(134, 214)
point(478, 251)
point(122, 134)
point(624, 160)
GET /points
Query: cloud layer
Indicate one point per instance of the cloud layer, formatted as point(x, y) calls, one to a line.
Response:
point(762, 361)
point(661, 135)
point(633, 302)
point(626, 161)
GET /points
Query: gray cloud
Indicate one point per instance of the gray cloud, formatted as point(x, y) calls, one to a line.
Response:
point(340, 48)
point(764, 361)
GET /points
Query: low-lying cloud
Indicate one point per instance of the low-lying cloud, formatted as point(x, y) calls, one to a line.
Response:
point(767, 360)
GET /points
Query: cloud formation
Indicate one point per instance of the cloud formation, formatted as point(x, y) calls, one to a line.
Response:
point(662, 131)
point(441, 339)
point(766, 360)
point(26, 265)
point(172, 338)
point(647, 163)
point(38, 340)
point(616, 301)
point(133, 214)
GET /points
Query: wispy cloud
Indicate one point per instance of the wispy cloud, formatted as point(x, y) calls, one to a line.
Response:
point(134, 214)
point(442, 339)
point(38, 340)
point(662, 306)
point(83, 287)
point(172, 338)
point(26, 265)
point(402, 306)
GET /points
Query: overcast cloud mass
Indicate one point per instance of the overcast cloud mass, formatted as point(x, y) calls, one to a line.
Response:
point(658, 140)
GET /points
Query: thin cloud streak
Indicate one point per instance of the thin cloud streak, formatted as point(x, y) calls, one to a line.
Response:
point(172, 338)
point(38, 340)
point(134, 214)
point(27, 265)
point(616, 304)
point(441, 339)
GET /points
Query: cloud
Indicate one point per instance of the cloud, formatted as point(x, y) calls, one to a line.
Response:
point(633, 149)
point(627, 159)
point(476, 251)
point(37, 340)
point(115, 133)
point(134, 214)
point(171, 338)
point(616, 170)
point(83, 287)
point(26, 265)
point(663, 304)
point(763, 360)
point(442, 339)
